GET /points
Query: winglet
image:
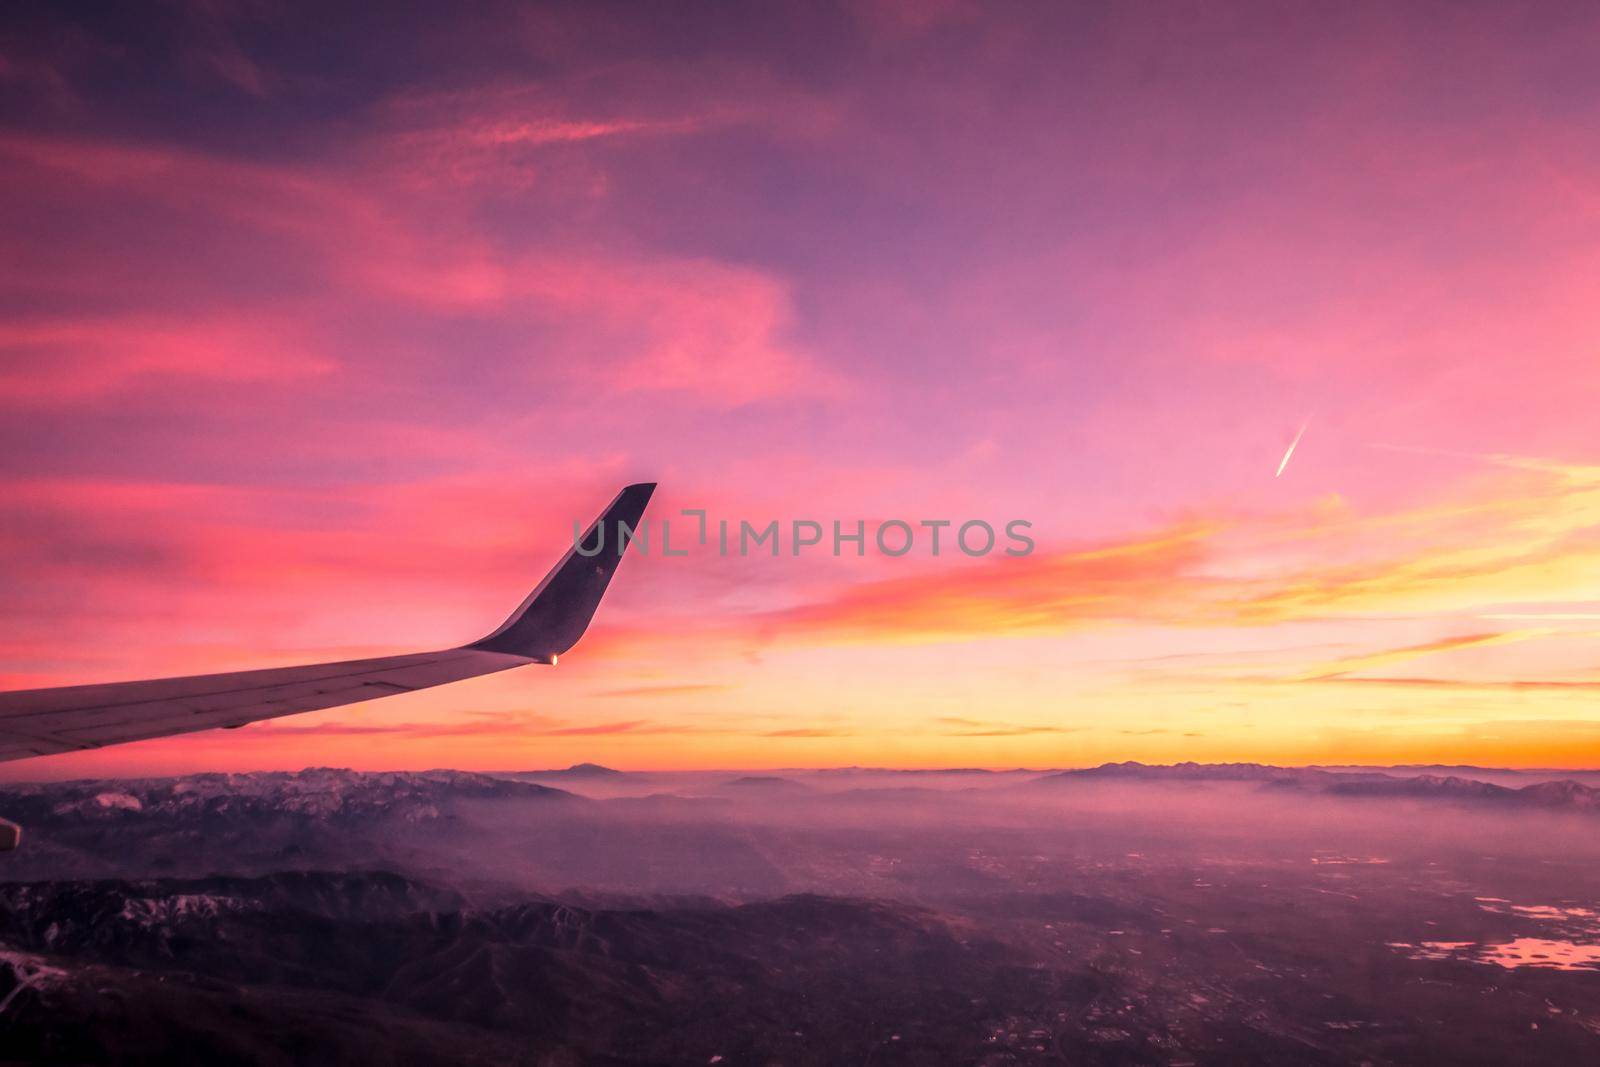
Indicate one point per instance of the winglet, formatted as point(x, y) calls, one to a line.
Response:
point(557, 612)
point(10, 835)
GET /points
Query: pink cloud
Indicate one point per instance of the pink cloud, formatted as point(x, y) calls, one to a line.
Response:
point(68, 360)
point(702, 330)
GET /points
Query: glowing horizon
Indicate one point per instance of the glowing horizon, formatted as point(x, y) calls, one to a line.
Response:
point(296, 369)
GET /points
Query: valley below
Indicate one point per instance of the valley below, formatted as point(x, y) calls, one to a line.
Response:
point(1121, 915)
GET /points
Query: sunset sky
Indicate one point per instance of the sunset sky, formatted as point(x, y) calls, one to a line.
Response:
point(321, 329)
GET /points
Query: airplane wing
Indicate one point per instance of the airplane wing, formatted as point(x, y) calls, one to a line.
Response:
point(41, 722)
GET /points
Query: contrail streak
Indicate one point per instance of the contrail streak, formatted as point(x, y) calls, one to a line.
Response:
point(1285, 461)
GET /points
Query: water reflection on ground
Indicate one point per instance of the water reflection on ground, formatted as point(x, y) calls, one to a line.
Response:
point(1571, 940)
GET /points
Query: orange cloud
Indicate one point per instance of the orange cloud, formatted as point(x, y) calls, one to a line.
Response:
point(1534, 538)
point(809, 731)
point(663, 690)
point(1353, 664)
point(1486, 686)
point(630, 727)
point(1042, 593)
point(984, 728)
point(473, 724)
point(461, 725)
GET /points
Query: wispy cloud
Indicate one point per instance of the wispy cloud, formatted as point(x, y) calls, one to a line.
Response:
point(964, 727)
point(1527, 539)
point(1141, 577)
point(664, 690)
point(1353, 664)
point(477, 724)
point(810, 731)
point(1530, 685)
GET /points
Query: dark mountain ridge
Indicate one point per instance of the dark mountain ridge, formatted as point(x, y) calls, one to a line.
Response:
point(319, 792)
point(675, 984)
point(1555, 795)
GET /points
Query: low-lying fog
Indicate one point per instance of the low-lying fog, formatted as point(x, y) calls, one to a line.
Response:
point(931, 836)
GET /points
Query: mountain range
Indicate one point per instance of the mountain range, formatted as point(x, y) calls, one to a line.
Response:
point(1123, 914)
point(370, 967)
point(1562, 794)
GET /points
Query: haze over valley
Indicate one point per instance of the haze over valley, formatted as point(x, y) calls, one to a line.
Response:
point(1119, 914)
